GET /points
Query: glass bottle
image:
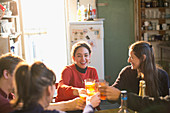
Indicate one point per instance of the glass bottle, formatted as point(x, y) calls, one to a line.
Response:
point(89, 12)
point(78, 12)
point(123, 107)
point(142, 88)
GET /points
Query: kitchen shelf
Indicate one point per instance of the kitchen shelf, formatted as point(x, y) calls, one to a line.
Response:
point(155, 30)
point(6, 16)
point(10, 29)
point(150, 19)
point(161, 8)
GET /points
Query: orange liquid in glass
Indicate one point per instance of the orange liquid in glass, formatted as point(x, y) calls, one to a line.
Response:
point(90, 87)
point(102, 97)
point(83, 96)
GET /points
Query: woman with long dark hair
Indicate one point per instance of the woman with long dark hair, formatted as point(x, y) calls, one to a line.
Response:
point(141, 58)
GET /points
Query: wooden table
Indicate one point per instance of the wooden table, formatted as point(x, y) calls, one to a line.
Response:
point(112, 111)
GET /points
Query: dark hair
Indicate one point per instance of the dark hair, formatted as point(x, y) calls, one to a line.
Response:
point(8, 62)
point(147, 66)
point(31, 81)
point(78, 45)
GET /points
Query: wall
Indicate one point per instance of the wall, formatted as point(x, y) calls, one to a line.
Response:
point(118, 33)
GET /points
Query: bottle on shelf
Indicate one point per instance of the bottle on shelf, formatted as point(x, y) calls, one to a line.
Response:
point(160, 3)
point(166, 3)
point(85, 14)
point(154, 3)
point(79, 16)
point(90, 17)
point(123, 107)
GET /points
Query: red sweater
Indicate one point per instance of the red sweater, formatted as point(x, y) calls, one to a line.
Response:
point(71, 77)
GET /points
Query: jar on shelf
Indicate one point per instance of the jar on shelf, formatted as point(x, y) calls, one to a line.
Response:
point(147, 4)
point(166, 3)
point(160, 3)
point(154, 3)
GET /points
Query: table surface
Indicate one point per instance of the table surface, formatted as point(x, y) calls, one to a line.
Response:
point(112, 111)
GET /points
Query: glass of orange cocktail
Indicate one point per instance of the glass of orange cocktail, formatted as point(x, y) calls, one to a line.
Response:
point(90, 86)
point(102, 84)
point(83, 96)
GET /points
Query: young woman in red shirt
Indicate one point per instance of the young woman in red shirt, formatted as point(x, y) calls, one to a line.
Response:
point(72, 79)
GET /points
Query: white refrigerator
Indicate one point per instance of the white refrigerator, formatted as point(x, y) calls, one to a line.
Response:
point(93, 33)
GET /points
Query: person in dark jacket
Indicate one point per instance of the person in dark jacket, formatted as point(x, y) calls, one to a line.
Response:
point(141, 58)
point(8, 63)
point(35, 85)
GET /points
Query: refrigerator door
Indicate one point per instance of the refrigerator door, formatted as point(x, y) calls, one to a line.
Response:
point(93, 33)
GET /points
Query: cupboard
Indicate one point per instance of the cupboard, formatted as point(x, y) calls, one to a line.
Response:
point(10, 32)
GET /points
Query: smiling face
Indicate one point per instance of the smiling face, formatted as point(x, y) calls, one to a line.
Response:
point(133, 60)
point(82, 57)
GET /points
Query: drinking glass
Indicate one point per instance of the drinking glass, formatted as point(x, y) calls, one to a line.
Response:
point(102, 83)
point(83, 96)
point(90, 86)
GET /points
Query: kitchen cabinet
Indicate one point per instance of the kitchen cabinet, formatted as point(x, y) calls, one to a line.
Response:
point(153, 25)
point(10, 33)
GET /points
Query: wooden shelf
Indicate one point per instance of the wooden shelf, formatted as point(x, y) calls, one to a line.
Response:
point(6, 16)
point(143, 31)
point(161, 19)
point(155, 8)
point(165, 47)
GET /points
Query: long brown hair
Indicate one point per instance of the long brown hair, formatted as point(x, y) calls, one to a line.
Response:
point(147, 66)
point(31, 81)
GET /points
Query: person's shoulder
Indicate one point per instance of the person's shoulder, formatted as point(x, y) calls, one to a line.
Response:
point(128, 71)
point(69, 67)
point(126, 68)
point(91, 67)
point(161, 71)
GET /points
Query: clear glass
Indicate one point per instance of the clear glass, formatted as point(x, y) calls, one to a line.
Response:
point(90, 86)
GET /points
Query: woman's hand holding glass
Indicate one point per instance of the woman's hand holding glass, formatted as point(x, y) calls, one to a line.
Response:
point(102, 85)
point(111, 92)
